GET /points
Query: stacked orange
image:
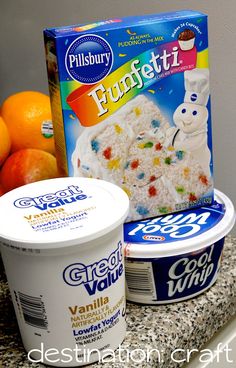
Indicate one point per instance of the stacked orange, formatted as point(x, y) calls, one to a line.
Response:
point(26, 134)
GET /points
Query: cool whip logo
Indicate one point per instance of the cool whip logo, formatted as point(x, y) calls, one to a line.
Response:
point(89, 59)
point(188, 272)
point(43, 202)
point(176, 226)
point(96, 276)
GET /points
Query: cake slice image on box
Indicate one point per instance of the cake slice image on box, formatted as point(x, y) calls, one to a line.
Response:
point(131, 149)
point(101, 151)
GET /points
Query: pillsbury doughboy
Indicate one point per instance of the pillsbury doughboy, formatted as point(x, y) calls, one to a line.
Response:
point(191, 118)
point(196, 83)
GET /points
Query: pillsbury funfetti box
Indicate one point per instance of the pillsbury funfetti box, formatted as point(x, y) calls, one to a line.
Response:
point(130, 104)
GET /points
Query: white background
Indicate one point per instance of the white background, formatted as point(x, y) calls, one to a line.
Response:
point(22, 63)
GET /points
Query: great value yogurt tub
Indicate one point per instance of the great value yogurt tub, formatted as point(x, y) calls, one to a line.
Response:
point(62, 250)
point(176, 257)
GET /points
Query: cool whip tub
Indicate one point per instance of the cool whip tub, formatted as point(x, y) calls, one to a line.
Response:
point(62, 250)
point(176, 257)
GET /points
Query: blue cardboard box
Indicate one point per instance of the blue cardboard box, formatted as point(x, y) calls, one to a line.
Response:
point(131, 104)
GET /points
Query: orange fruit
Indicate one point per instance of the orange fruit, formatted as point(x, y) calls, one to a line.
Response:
point(1, 190)
point(27, 166)
point(29, 121)
point(5, 143)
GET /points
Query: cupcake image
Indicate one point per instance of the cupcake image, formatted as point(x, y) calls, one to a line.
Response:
point(186, 39)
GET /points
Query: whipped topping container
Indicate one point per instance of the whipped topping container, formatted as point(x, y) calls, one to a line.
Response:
point(176, 257)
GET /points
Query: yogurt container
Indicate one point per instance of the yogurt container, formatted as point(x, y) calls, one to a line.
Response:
point(176, 257)
point(61, 242)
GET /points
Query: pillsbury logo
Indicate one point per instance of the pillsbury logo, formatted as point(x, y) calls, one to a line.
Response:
point(89, 59)
point(96, 276)
point(193, 97)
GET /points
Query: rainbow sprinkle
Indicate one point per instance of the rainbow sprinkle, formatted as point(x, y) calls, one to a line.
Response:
point(95, 145)
point(137, 111)
point(148, 145)
point(152, 191)
point(134, 164)
point(168, 160)
point(140, 176)
point(118, 129)
point(126, 165)
point(141, 145)
point(107, 153)
point(192, 197)
point(142, 210)
point(155, 123)
point(114, 164)
point(152, 178)
point(180, 155)
point(186, 172)
point(158, 147)
point(163, 210)
point(156, 161)
point(203, 179)
point(180, 190)
point(85, 167)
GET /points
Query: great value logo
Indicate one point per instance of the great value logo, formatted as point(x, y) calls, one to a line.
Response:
point(52, 200)
point(89, 59)
point(96, 276)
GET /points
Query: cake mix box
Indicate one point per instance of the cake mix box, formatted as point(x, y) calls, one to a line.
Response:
point(131, 105)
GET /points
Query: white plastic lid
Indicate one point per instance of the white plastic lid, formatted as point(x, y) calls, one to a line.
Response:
point(181, 232)
point(61, 212)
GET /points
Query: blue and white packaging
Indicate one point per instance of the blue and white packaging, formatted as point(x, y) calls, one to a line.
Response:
point(176, 257)
point(61, 243)
point(131, 105)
